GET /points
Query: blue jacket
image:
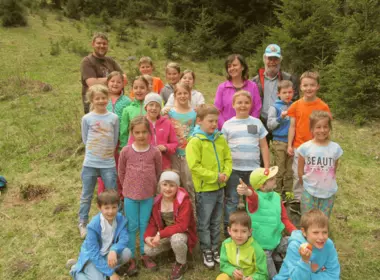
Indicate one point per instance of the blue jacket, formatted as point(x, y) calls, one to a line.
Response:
point(90, 250)
point(276, 124)
point(296, 269)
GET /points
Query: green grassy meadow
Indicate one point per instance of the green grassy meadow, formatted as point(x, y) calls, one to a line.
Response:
point(41, 156)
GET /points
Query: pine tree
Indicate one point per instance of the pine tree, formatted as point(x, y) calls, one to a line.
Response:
point(353, 81)
point(13, 12)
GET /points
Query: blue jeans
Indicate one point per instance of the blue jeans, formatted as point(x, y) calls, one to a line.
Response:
point(138, 214)
point(90, 272)
point(89, 178)
point(231, 195)
point(209, 214)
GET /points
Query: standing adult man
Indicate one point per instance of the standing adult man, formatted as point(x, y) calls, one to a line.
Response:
point(96, 66)
point(267, 80)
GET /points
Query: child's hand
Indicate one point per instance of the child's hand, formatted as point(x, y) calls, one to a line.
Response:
point(247, 278)
point(284, 114)
point(290, 151)
point(314, 267)
point(149, 240)
point(165, 110)
point(156, 240)
point(238, 274)
point(115, 277)
point(305, 253)
point(242, 188)
point(222, 178)
point(112, 259)
point(162, 148)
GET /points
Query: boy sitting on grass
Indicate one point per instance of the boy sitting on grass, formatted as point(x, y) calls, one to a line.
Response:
point(105, 246)
point(311, 254)
point(268, 215)
point(241, 256)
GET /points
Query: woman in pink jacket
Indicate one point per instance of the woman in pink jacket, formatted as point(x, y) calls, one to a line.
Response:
point(163, 134)
point(237, 79)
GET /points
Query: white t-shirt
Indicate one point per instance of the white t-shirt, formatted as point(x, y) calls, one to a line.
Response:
point(243, 137)
point(108, 232)
point(319, 172)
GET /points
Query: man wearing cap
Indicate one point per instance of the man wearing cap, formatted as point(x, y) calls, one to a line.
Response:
point(268, 215)
point(95, 67)
point(267, 80)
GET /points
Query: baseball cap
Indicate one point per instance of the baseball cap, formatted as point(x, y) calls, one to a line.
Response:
point(273, 50)
point(258, 178)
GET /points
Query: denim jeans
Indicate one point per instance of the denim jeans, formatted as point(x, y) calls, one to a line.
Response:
point(231, 195)
point(138, 215)
point(89, 178)
point(90, 272)
point(209, 214)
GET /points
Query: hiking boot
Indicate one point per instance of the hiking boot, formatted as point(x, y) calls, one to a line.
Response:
point(70, 263)
point(132, 269)
point(178, 271)
point(149, 263)
point(82, 230)
point(208, 259)
point(215, 256)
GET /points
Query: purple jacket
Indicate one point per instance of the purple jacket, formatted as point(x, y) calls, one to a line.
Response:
point(223, 100)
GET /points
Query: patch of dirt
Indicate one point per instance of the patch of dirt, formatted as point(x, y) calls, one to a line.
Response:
point(16, 86)
point(376, 234)
point(60, 208)
point(340, 216)
point(21, 267)
point(31, 192)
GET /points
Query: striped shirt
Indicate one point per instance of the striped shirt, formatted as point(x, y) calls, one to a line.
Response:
point(243, 137)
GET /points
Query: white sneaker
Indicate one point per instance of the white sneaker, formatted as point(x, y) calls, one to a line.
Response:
point(70, 263)
point(215, 256)
point(82, 230)
point(208, 260)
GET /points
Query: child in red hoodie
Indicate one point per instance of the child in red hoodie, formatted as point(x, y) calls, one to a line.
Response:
point(171, 225)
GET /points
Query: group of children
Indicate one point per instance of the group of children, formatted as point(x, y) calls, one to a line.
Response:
point(174, 129)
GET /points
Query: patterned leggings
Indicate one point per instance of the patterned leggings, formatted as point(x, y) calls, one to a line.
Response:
point(177, 242)
point(309, 202)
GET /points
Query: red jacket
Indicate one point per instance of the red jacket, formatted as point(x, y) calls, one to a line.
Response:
point(252, 202)
point(162, 134)
point(184, 221)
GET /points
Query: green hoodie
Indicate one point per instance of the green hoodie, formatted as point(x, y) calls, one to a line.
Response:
point(248, 257)
point(207, 156)
point(136, 108)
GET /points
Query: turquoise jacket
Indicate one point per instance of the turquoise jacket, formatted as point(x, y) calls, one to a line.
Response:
point(122, 102)
point(136, 108)
point(207, 156)
point(248, 257)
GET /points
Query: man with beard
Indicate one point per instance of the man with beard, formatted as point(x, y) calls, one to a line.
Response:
point(96, 66)
point(268, 79)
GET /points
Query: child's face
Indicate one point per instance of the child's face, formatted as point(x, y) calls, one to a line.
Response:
point(235, 69)
point(99, 101)
point(115, 85)
point(146, 69)
point(141, 134)
point(139, 89)
point(242, 105)
point(209, 123)
point(188, 79)
point(172, 76)
point(316, 235)
point(269, 185)
point(182, 96)
point(309, 88)
point(286, 94)
point(168, 189)
point(109, 211)
point(239, 233)
point(153, 110)
point(321, 130)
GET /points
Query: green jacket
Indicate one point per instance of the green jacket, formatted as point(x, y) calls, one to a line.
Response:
point(266, 221)
point(248, 257)
point(136, 108)
point(206, 159)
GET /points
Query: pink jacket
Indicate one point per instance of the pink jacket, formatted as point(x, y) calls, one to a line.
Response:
point(163, 133)
point(223, 100)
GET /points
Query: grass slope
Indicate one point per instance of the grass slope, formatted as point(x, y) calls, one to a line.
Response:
point(41, 156)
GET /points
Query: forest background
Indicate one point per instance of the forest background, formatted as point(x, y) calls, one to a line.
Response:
point(43, 42)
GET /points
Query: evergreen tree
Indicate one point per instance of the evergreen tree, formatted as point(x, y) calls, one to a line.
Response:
point(305, 32)
point(353, 81)
point(73, 9)
point(13, 13)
